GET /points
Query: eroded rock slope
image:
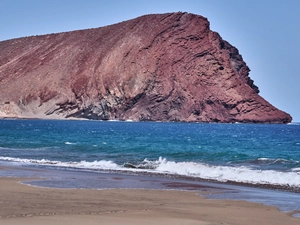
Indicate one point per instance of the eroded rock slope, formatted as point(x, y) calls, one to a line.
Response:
point(164, 67)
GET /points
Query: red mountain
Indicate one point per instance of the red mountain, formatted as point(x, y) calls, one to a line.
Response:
point(165, 67)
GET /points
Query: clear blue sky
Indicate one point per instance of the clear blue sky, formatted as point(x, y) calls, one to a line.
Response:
point(266, 32)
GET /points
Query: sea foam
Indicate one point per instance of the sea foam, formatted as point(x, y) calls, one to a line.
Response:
point(228, 173)
point(240, 174)
point(102, 164)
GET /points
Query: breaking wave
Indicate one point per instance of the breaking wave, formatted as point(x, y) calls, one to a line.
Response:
point(102, 164)
point(240, 174)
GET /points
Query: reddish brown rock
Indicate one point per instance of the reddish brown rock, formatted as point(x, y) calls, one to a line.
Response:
point(166, 67)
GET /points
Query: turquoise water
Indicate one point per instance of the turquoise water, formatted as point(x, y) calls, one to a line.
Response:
point(244, 153)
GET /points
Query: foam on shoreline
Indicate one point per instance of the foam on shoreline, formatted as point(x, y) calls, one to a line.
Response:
point(289, 180)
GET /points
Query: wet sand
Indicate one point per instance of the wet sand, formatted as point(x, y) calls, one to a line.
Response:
point(21, 204)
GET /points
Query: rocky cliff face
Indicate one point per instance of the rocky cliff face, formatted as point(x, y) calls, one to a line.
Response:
point(166, 67)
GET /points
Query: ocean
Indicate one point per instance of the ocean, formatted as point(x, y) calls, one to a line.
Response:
point(73, 152)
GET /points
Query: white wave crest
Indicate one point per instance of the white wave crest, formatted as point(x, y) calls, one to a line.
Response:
point(227, 173)
point(102, 164)
point(192, 169)
point(69, 143)
point(296, 169)
point(278, 160)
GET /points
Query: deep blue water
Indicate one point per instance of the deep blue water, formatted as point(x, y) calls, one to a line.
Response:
point(247, 153)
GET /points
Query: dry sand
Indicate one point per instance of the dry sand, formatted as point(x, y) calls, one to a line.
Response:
point(22, 204)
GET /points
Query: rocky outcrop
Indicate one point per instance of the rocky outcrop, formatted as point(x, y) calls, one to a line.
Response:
point(165, 67)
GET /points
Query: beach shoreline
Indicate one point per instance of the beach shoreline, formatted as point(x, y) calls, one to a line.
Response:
point(52, 177)
point(23, 204)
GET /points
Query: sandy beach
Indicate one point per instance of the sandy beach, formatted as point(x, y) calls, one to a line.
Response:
point(23, 204)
